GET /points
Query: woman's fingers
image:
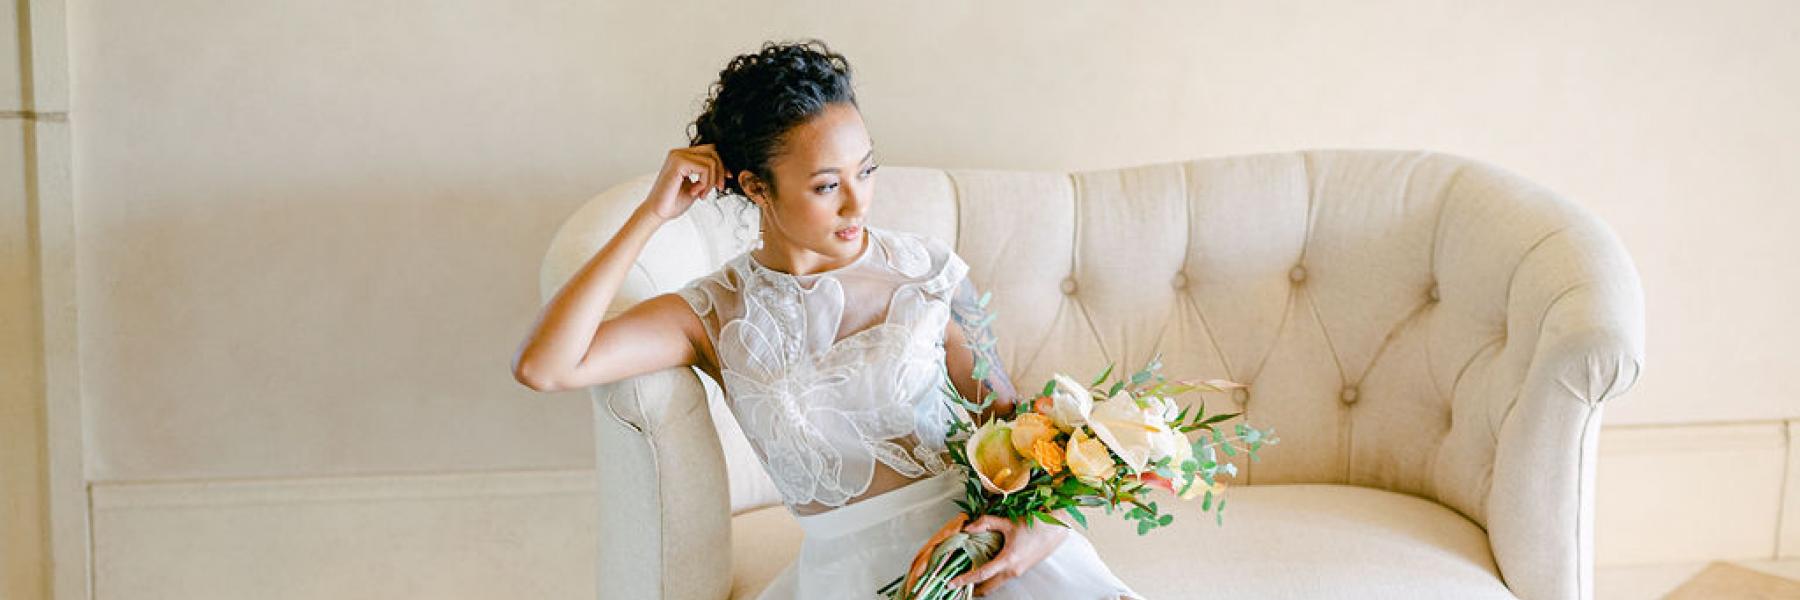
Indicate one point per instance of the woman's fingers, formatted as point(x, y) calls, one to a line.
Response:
point(990, 585)
point(692, 183)
point(714, 165)
point(983, 577)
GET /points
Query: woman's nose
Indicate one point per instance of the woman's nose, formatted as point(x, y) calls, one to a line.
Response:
point(855, 202)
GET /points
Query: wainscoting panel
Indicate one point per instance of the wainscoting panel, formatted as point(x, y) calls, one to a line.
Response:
point(489, 535)
point(1667, 494)
point(1685, 493)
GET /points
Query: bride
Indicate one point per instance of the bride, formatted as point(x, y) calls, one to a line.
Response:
point(830, 338)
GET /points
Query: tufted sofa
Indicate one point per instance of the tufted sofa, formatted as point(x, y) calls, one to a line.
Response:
point(1432, 337)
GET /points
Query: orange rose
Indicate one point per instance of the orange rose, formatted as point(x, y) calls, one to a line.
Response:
point(1028, 428)
point(1048, 455)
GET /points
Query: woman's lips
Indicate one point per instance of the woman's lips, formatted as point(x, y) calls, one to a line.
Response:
point(849, 233)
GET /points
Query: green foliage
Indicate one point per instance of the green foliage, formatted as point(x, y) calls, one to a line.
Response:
point(1045, 493)
point(1102, 378)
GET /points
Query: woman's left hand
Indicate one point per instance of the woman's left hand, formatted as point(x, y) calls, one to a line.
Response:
point(1024, 545)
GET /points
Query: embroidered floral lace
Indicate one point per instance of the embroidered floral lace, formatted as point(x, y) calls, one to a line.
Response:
point(836, 376)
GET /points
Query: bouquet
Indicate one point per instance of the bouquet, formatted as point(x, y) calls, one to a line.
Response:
point(1075, 447)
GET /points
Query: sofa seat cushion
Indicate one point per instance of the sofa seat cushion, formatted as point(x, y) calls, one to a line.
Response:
point(1278, 541)
point(1304, 541)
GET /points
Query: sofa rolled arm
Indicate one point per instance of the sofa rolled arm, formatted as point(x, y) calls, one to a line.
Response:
point(664, 514)
point(1577, 302)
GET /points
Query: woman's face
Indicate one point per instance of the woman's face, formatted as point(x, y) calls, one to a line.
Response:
point(826, 182)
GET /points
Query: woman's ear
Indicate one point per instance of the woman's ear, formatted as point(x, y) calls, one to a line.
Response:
point(754, 187)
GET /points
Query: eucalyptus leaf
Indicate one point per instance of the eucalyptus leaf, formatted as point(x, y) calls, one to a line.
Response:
point(1076, 514)
point(1102, 378)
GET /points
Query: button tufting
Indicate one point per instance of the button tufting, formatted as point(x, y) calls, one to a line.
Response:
point(1241, 396)
point(1297, 274)
point(1348, 395)
point(1434, 293)
point(1180, 281)
point(1068, 285)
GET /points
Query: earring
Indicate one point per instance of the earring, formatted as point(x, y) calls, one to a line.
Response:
point(761, 227)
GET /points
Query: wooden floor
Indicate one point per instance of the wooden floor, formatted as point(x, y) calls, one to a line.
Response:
point(1759, 579)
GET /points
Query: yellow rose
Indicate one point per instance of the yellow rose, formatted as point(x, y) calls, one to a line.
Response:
point(999, 467)
point(1135, 433)
point(1088, 458)
point(1028, 429)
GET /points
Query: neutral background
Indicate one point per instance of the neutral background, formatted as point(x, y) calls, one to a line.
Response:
point(263, 264)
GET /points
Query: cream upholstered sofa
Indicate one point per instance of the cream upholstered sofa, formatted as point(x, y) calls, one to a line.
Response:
point(1431, 337)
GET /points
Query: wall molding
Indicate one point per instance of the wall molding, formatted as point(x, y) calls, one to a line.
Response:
point(1789, 521)
point(57, 116)
point(527, 534)
point(1712, 492)
point(1695, 493)
point(361, 488)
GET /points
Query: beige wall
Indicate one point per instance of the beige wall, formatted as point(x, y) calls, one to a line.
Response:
point(306, 234)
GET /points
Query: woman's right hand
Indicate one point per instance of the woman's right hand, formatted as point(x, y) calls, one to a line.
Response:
point(673, 193)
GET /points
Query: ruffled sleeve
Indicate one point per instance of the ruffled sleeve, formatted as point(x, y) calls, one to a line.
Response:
point(702, 295)
point(948, 272)
point(697, 298)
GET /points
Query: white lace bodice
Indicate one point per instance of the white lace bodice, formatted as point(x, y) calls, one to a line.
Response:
point(837, 374)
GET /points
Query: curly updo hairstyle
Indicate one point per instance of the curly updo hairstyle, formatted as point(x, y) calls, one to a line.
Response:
point(760, 96)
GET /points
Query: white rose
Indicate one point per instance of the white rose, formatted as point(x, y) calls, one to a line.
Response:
point(1172, 443)
point(1070, 403)
point(1132, 432)
point(1164, 406)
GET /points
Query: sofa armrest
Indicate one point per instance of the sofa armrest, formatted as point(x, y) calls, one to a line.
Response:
point(1577, 294)
point(664, 513)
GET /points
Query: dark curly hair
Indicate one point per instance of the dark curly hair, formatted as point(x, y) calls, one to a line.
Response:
point(760, 96)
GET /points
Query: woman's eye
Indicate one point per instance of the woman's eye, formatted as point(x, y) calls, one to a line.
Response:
point(831, 186)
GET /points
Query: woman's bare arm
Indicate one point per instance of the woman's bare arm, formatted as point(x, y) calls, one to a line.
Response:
point(573, 345)
point(959, 360)
point(968, 336)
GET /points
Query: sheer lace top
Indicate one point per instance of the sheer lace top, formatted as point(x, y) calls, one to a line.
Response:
point(837, 377)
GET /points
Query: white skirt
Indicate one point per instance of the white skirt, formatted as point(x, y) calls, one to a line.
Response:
point(854, 550)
